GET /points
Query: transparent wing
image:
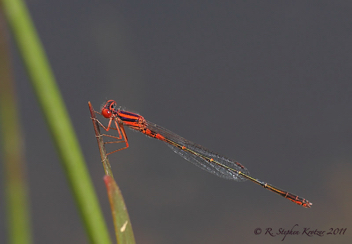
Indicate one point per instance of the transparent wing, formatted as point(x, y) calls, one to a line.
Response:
point(200, 156)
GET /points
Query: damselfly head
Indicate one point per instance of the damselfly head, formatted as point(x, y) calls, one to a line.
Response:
point(106, 113)
point(108, 109)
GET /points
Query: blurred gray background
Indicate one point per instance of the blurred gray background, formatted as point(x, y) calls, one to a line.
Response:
point(267, 83)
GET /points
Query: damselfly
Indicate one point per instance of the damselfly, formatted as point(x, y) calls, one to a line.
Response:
point(194, 153)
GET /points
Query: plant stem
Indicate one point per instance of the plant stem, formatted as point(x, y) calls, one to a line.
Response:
point(16, 184)
point(102, 150)
point(57, 119)
point(122, 223)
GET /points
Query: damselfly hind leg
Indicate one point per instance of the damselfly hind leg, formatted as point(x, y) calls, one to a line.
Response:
point(121, 138)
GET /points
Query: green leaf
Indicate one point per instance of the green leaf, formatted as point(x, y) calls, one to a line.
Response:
point(57, 118)
point(122, 223)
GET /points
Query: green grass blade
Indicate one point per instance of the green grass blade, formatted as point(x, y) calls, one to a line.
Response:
point(122, 223)
point(102, 150)
point(14, 173)
point(57, 118)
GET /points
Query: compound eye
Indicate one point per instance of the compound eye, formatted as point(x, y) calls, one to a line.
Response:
point(106, 113)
